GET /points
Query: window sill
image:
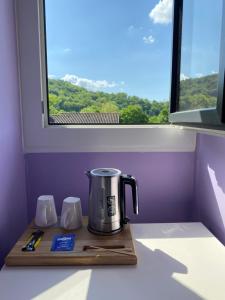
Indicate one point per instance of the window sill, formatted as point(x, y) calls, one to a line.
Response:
point(158, 138)
point(86, 126)
point(208, 131)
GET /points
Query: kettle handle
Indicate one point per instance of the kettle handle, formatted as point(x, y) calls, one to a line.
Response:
point(128, 179)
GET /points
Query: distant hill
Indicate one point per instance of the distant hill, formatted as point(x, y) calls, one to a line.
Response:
point(198, 93)
point(66, 97)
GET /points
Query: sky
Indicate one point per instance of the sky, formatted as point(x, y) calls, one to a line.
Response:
point(120, 45)
point(201, 37)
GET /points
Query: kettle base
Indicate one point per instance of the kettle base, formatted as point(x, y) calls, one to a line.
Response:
point(104, 233)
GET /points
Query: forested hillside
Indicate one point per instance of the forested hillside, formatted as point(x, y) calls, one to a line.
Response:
point(66, 97)
point(198, 92)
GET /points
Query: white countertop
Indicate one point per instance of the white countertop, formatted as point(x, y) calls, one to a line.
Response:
point(176, 261)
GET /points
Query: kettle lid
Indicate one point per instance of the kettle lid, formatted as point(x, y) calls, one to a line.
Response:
point(106, 172)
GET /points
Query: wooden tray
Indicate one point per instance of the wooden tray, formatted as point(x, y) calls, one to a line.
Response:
point(43, 256)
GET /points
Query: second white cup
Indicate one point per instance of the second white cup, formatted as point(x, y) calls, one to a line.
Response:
point(71, 216)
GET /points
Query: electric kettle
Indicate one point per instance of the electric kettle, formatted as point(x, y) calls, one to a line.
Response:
point(106, 205)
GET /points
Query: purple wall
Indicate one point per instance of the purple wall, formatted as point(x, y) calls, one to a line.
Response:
point(13, 210)
point(165, 180)
point(210, 184)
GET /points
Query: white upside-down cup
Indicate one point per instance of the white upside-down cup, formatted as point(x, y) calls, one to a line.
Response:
point(71, 216)
point(45, 212)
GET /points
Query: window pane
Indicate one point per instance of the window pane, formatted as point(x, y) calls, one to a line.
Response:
point(200, 50)
point(108, 61)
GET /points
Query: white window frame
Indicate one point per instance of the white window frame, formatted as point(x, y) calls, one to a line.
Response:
point(38, 136)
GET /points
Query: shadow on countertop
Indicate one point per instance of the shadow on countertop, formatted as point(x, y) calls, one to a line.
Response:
point(150, 279)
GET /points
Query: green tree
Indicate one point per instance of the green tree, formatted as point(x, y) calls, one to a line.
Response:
point(162, 118)
point(153, 120)
point(53, 105)
point(91, 109)
point(133, 114)
point(109, 107)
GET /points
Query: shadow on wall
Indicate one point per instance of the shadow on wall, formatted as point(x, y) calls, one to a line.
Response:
point(212, 212)
point(210, 184)
point(154, 273)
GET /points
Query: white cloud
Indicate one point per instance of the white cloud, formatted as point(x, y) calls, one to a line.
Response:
point(134, 29)
point(89, 84)
point(198, 75)
point(148, 39)
point(51, 76)
point(183, 77)
point(67, 50)
point(162, 12)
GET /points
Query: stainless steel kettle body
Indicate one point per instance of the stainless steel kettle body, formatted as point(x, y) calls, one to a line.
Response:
point(106, 206)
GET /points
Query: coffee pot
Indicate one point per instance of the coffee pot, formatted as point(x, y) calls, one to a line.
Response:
point(107, 205)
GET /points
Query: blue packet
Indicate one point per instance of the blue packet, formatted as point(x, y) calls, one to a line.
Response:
point(63, 242)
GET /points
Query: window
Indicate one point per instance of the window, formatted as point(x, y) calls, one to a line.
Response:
point(198, 63)
point(108, 61)
point(38, 136)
